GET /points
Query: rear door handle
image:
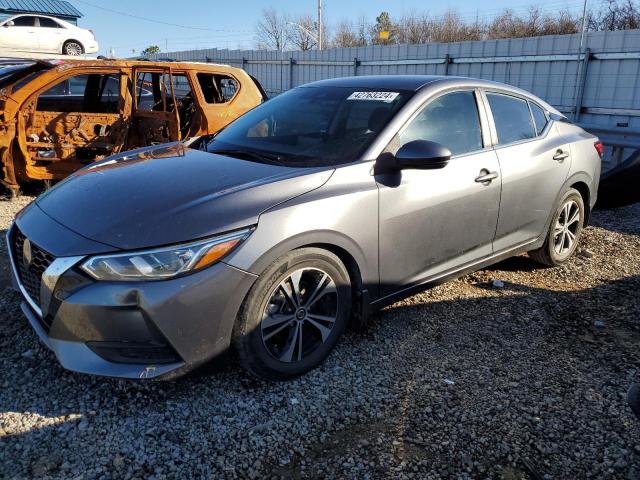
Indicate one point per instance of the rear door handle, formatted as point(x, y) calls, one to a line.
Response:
point(560, 155)
point(486, 176)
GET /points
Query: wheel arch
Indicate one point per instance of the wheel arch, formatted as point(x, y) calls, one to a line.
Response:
point(362, 275)
point(584, 191)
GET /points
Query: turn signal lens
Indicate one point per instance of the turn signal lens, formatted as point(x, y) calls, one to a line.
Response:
point(599, 148)
point(216, 252)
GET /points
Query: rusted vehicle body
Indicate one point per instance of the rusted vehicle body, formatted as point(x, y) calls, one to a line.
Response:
point(57, 116)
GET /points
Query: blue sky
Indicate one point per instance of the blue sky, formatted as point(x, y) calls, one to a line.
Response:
point(230, 24)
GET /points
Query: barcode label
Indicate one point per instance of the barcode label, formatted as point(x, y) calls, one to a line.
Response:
point(374, 96)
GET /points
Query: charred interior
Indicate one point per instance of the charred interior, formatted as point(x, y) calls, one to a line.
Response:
point(74, 113)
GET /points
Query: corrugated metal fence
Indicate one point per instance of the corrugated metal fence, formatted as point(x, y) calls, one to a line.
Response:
point(598, 87)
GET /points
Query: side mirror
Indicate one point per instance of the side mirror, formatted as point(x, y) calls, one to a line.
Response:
point(10, 23)
point(422, 155)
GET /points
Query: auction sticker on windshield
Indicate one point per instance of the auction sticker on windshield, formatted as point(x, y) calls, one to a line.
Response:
point(375, 96)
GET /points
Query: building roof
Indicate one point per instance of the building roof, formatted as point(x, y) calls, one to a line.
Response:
point(46, 7)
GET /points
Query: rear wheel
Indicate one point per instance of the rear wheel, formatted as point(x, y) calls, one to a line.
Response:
point(72, 48)
point(294, 314)
point(564, 232)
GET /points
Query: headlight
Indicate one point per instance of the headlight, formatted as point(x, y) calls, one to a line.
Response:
point(162, 263)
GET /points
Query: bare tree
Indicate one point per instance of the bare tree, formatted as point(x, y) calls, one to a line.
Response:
point(345, 36)
point(616, 15)
point(272, 30)
point(509, 25)
point(451, 28)
point(414, 28)
point(303, 33)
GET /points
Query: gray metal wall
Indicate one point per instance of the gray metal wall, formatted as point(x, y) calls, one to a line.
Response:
point(602, 83)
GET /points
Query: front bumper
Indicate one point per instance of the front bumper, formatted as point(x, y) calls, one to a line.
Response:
point(158, 329)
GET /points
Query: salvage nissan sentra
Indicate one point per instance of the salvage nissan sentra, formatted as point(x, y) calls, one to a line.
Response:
point(317, 207)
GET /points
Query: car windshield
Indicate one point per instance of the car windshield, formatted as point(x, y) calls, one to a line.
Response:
point(19, 74)
point(311, 126)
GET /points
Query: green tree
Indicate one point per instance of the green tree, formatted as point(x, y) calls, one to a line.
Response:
point(384, 24)
point(150, 50)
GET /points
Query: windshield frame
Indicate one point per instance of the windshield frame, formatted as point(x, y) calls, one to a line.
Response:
point(291, 159)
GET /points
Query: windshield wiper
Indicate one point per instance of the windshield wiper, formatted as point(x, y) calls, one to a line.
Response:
point(248, 155)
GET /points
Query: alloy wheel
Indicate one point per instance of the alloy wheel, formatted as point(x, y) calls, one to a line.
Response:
point(566, 228)
point(73, 48)
point(300, 315)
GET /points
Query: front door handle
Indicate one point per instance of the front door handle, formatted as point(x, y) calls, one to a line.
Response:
point(486, 176)
point(560, 155)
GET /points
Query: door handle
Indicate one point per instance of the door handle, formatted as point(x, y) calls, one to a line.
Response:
point(487, 176)
point(560, 155)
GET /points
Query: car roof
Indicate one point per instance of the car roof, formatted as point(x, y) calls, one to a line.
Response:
point(418, 82)
point(400, 82)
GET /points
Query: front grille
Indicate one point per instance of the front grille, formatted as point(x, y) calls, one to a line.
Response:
point(30, 273)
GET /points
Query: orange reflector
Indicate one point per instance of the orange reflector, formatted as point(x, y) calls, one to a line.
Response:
point(217, 252)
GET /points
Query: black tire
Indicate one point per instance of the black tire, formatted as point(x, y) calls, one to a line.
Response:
point(72, 48)
point(264, 357)
point(549, 254)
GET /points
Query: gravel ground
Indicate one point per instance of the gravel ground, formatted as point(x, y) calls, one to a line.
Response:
point(524, 379)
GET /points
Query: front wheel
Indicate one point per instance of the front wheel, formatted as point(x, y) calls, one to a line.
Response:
point(564, 232)
point(294, 314)
point(72, 48)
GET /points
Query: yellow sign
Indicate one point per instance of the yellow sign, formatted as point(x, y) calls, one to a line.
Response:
point(384, 35)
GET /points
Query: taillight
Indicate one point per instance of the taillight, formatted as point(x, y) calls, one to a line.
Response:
point(599, 148)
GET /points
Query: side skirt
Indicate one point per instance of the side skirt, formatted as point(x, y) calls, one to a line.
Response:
point(450, 275)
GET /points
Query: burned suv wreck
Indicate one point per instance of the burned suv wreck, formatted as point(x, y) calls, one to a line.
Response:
point(57, 116)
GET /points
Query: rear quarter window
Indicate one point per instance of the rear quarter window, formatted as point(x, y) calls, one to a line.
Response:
point(217, 88)
point(539, 117)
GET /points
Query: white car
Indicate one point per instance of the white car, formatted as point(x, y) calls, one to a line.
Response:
point(42, 34)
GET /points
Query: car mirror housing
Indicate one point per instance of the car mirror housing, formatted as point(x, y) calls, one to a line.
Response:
point(422, 155)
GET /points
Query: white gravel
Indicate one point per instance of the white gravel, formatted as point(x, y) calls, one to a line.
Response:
point(513, 372)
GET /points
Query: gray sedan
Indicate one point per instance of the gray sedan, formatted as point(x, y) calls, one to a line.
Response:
point(316, 208)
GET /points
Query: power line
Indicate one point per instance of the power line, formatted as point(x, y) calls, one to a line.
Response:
point(146, 19)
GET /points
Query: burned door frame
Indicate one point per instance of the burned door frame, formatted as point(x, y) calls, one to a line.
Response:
point(65, 160)
point(217, 115)
point(141, 132)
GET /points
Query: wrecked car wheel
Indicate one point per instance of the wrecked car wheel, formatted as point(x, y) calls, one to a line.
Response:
point(72, 48)
point(294, 314)
point(564, 231)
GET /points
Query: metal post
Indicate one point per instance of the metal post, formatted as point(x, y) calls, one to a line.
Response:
point(291, 63)
point(244, 63)
point(320, 26)
point(447, 62)
point(355, 66)
point(581, 84)
point(584, 24)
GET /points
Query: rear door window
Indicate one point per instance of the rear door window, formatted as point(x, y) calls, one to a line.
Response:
point(512, 118)
point(48, 23)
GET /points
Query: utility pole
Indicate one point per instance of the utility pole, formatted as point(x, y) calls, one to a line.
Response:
point(320, 26)
point(584, 24)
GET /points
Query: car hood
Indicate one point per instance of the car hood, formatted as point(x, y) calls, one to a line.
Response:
point(170, 194)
